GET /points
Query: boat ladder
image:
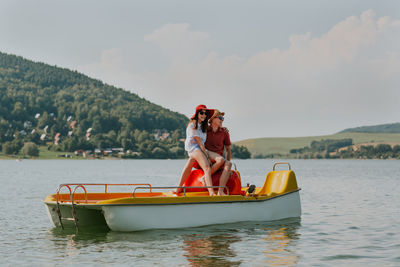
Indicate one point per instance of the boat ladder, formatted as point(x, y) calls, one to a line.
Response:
point(72, 198)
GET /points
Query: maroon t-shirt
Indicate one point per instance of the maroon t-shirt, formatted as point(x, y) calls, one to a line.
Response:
point(216, 141)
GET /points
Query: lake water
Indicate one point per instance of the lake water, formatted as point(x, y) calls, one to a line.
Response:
point(351, 216)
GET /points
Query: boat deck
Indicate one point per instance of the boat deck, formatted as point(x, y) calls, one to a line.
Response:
point(109, 197)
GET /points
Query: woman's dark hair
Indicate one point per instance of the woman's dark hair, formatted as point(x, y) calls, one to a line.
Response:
point(204, 124)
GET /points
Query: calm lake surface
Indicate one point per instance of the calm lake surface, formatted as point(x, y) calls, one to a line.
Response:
point(351, 216)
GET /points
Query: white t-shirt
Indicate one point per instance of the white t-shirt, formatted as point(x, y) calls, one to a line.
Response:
point(190, 143)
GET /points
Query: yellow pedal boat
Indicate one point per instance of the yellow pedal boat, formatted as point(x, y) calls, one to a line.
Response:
point(136, 210)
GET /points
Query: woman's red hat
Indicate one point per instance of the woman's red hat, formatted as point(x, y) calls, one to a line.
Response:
point(198, 108)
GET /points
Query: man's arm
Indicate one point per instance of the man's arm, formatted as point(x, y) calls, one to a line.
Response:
point(227, 143)
point(228, 152)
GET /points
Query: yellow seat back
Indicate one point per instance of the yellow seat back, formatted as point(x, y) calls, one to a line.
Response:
point(279, 182)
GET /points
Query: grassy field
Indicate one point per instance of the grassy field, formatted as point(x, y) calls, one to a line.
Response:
point(44, 153)
point(282, 145)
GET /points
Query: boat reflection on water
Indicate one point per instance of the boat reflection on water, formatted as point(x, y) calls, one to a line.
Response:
point(95, 234)
point(278, 246)
point(213, 250)
point(248, 243)
point(70, 244)
point(269, 244)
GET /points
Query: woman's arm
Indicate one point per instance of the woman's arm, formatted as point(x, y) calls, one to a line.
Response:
point(202, 147)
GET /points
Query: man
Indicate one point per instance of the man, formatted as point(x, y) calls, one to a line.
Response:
point(217, 141)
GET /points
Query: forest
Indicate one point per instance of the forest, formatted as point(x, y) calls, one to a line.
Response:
point(345, 149)
point(43, 105)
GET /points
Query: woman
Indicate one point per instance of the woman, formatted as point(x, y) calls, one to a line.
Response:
point(196, 134)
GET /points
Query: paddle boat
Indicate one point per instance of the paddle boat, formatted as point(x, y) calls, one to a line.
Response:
point(144, 206)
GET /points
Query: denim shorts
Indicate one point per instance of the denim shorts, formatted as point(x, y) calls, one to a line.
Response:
point(193, 150)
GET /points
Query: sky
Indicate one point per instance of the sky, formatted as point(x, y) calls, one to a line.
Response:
point(276, 68)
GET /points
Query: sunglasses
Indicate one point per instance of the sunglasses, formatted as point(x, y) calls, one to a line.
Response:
point(221, 118)
point(203, 112)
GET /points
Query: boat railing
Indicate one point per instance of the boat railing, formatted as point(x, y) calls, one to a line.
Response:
point(178, 187)
point(72, 197)
point(96, 184)
point(84, 189)
point(281, 163)
point(234, 165)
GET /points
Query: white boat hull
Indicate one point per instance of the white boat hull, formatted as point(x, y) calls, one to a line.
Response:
point(162, 216)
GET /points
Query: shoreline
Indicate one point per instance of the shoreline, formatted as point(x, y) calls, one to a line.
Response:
point(10, 158)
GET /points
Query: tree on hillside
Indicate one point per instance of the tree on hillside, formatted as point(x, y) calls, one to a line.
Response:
point(159, 153)
point(330, 145)
point(30, 149)
point(240, 152)
point(39, 102)
point(12, 148)
point(383, 148)
point(176, 152)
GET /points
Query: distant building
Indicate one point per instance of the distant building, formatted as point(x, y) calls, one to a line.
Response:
point(72, 124)
point(164, 136)
point(107, 151)
point(79, 152)
point(161, 134)
point(27, 124)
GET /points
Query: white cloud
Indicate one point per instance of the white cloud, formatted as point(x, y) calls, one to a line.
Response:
point(178, 43)
point(349, 75)
point(108, 68)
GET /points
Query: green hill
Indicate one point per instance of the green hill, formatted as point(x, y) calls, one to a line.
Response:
point(38, 100)
point(382, 128)
point(282, 145)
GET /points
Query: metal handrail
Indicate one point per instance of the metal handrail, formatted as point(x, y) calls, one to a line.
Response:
point(61, 186)
point(279, 163)
point(72, 195)
point(73, 206)
point(105, 185)
point(58, 203)
point(182, 187)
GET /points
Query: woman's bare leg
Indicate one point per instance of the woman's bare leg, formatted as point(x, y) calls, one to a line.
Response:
point(205, 165)
point(185, 173)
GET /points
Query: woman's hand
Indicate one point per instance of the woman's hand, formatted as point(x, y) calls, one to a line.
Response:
point(178, 190)
point(207, 156)
point(203, 148)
